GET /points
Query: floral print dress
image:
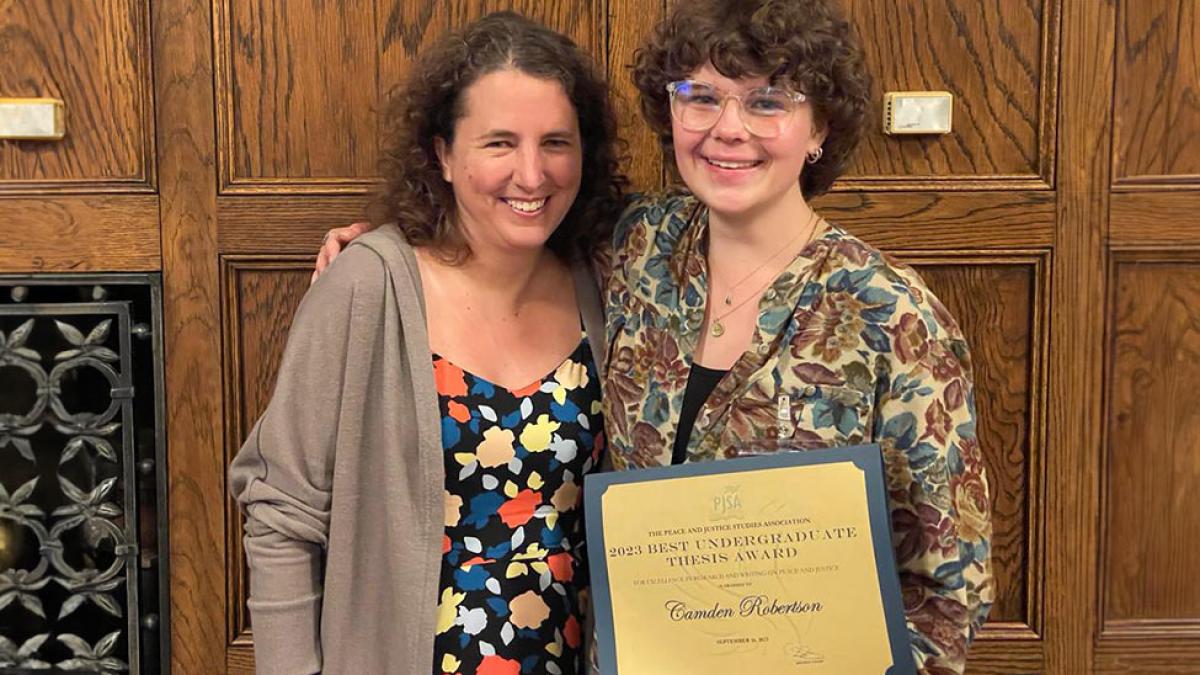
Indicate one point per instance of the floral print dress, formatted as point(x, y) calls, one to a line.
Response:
point(514, 559)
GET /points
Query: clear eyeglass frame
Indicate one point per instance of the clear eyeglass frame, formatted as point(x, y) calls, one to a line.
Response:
point(698, 118)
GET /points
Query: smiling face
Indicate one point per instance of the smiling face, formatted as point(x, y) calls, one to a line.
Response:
point(515, 163)
point(736, 174)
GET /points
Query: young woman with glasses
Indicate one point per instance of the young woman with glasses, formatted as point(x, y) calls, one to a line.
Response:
point(741, 321)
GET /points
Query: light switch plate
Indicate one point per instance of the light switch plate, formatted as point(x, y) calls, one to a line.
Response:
point(33, 119)
point(917, 112)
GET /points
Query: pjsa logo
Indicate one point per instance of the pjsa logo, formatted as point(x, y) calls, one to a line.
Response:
point(726, 504)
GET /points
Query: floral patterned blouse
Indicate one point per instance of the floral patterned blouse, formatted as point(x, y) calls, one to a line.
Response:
point(850, 348)
point(514, 543)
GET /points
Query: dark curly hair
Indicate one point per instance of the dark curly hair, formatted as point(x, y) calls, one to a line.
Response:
point(806, 44)
point(430, 102)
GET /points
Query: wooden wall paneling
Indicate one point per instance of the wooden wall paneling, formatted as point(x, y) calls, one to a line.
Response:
point(1076, 334)
point(1000, 300)
point(406, 28)
point(1005, 657)
point(96, 58)
point(998, 58)
point(583, 20)
point(1157, 101)
point(291, 224)
point(183, 76)
point(260, 296)
point(1147, 655)
point(297, 87)
point(1155, 219)
point(1149, 612)
point(1153, 467)
point(629, 22)
point(97, 233)
point(957, 221)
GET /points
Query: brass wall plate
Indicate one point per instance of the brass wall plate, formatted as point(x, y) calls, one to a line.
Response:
point(917, 112)
point(32, 119)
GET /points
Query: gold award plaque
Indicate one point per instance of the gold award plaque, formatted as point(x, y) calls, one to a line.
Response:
point(773, 569)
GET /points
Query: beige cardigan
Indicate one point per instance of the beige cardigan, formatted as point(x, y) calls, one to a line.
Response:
point(341, 479)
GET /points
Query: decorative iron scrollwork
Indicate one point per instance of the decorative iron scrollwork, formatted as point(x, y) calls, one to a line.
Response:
point(76, 395)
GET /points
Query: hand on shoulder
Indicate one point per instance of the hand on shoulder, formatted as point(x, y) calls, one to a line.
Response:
point(334, 242)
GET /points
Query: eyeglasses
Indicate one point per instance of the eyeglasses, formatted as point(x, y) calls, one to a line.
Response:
point(766, 111)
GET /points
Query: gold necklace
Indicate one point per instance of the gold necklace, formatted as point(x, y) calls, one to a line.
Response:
point(729, 291)
point(716, 328)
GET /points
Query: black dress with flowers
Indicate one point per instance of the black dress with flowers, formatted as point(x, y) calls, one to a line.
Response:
point(513, 554)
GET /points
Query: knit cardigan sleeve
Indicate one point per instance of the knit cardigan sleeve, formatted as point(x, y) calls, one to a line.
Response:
point(282, 476)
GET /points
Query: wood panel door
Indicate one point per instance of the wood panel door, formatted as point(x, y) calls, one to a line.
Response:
point(1149, 610)
point(267, 130)
point(87, 202)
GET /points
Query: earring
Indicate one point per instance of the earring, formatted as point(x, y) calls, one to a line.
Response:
point(815, 156)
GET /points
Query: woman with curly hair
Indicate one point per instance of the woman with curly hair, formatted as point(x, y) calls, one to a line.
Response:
point(739, 321)
point(412, 491)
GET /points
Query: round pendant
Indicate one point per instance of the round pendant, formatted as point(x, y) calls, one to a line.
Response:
point(716, 329)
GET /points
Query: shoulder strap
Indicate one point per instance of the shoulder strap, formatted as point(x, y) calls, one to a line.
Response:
point(592, 313)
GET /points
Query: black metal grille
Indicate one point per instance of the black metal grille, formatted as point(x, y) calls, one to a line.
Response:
point(82, 475)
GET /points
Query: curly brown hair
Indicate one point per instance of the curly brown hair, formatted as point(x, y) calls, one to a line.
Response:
point(430, 102)
point(805, 44)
